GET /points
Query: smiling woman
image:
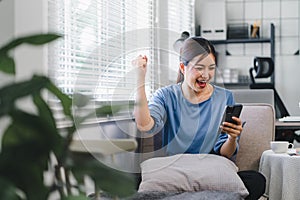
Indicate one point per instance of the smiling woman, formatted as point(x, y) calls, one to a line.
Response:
point(189, 114)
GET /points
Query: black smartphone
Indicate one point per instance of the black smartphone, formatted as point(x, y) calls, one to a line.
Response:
point(233, 110)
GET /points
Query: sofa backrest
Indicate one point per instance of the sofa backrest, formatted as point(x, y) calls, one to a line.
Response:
point(253, 96)
point(257, 133)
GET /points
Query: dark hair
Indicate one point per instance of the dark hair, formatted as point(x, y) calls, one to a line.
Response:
point(193, 47)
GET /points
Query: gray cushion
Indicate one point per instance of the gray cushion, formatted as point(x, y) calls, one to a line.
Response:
point(191, 173)
point(203, 195)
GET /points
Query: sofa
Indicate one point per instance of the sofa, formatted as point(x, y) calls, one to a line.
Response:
point(257, 133)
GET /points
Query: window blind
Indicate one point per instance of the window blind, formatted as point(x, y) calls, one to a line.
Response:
point(100, 39)
point(181, 17)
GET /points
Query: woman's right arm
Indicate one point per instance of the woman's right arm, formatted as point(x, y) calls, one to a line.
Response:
point(143, 119)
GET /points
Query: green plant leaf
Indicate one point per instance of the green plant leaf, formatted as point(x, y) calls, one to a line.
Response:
point(30, 153)
point(31, 137)
point(80, 100)
point(103, 111)
point(7, 64)
point(10, 93)
point(29, 141)
point(38, 39)
point(110, 180)
point(66, 103)
point(79, 197)
point(108, 110)
point(46, 115)
point(7, 190)
point(65, 100)
point(45, 112)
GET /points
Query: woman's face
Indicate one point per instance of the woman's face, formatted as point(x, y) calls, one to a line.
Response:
point(200, 71)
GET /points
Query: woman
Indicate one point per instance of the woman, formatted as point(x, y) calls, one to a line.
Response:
point(190, 112)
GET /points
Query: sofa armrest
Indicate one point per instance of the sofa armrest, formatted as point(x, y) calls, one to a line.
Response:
point(257, 133)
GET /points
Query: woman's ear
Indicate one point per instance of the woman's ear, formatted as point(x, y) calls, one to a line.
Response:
point(181, 67)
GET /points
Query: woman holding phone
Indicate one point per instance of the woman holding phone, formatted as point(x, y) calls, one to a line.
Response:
point(189, 113)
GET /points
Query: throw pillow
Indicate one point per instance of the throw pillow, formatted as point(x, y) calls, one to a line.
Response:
point(191, 173)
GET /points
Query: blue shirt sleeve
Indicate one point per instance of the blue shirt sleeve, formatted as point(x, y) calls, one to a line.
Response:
point(157, 111)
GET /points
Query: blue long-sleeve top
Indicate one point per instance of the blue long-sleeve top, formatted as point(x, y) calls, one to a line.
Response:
point(187, 127)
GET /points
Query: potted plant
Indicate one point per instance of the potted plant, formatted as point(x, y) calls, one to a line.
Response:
point(30, 139)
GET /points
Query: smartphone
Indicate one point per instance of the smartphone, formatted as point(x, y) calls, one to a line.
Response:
point(233, 110)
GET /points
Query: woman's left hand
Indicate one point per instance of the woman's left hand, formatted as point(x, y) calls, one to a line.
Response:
point(233, 130)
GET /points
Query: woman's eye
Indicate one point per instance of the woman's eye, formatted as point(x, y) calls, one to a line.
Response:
point(198, 68)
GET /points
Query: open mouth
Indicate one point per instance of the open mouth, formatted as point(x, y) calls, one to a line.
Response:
point(202, 84)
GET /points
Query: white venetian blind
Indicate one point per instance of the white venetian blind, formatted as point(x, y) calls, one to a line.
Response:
point(181, 18)
point(181, 15)
point(100, 38)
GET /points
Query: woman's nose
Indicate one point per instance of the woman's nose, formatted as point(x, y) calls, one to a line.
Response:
point(204, 73)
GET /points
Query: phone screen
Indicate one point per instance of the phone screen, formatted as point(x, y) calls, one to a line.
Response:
point(233, 110)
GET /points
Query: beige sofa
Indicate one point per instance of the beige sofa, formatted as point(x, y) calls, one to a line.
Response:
point(258, 131)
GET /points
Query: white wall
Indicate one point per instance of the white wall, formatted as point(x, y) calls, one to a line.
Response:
point(6, 20)
point(286, 18)
point(20, 18)
point(30, 18)
point(7, 30)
